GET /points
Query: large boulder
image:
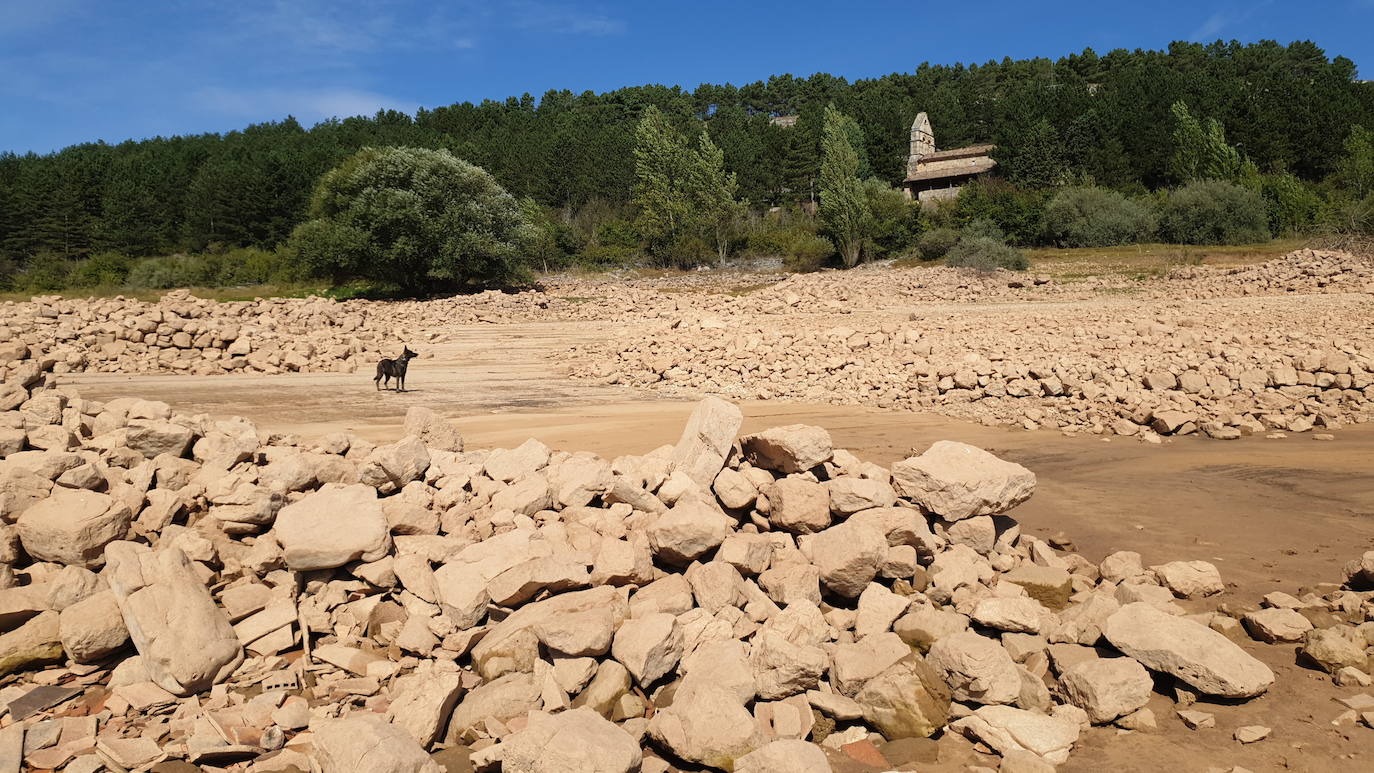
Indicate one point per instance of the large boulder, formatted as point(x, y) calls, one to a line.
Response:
point(93, 628)
point(708, 725)
point(576, 741)
point(976, 668)
point(160, 437)
point(73, 526)
point(422, 703)
point(1107, 688)
point(848, 556)
point(333, 526)
point(1008, 730)
point(357, 743)
point(957, 480)
point(784, 756)
point(37, 642)
point(436, 433)
point(648, 646)
point(706, 440)
point(578, 624)
point(1204, 659)
point(798, 505)
point(906, 700)
point(186, 640)
point(1188, 579)
point(789, 449)
point(687, 531)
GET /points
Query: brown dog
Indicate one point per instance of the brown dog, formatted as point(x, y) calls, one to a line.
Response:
point(389, 369)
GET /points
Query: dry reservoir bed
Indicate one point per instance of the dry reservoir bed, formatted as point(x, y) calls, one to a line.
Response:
point(471, 602)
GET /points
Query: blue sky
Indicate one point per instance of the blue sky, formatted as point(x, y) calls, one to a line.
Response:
point(77, 70)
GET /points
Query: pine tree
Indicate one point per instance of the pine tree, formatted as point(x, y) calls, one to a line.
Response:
point(844, 206)
point(1038, 160)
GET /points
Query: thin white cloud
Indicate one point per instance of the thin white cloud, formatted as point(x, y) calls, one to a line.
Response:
point(308, 105)
point(17, 16)
point(1214, 24)
point(1228, 18)
point(561, 17)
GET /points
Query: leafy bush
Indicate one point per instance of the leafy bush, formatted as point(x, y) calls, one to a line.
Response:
point(935, 243)
point(807, 252)
point(44, 272)
point(618, 233)
point(896, 222)
point(984, 228)
point(105, 269)
point(1214, 212)
point(1096, 217)
point(1019, 212)
point(608, 256)
point(986, 254)
point(789, 234)
point(410, 216)
point(1292, 206)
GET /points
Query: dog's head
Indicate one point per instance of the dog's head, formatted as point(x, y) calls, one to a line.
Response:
point(408, 354)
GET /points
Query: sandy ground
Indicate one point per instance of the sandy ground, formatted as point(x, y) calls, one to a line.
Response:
point(1271, 514)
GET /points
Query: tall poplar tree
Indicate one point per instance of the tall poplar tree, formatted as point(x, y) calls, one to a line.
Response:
point(844, 207)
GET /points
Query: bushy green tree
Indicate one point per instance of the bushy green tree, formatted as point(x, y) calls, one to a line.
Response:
point(1356, 168)
point(1018, 211)
point(409, 217)
point(844, 206)
point(716, 194)
point(1213, 212)
point(1096, 217)
point(663, 169)
point(896, 221)
point(685, 195)
point(1293, 207)
point(1201, 151)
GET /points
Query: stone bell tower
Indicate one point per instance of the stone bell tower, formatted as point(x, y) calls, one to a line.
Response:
point(922, 142)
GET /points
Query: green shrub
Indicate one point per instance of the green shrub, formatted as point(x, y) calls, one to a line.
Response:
point(934, 244)
point(896, 222)
point(105, 269)
point(618, 233)
point(983, 228)
point(807, 252)
point(986, 254)
point(608, 256)
point(1019, 212)
point(43, 273)
point(1292, 206)
point(1096, 217)
point(1214, 212)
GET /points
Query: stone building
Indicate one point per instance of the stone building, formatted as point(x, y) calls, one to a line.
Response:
point(932, 175)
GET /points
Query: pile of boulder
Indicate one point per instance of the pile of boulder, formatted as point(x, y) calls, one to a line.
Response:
point(1223, 368)
point(1303, 271)
point(184, 334)
point(180, 590)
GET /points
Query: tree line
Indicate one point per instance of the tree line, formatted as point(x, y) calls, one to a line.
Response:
point(1108, 120)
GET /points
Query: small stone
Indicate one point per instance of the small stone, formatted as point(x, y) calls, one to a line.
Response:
point(1197, 719)
point(1251, 733)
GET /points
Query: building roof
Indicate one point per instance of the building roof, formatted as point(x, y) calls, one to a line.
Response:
point(945, 155)
point(975, 161)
